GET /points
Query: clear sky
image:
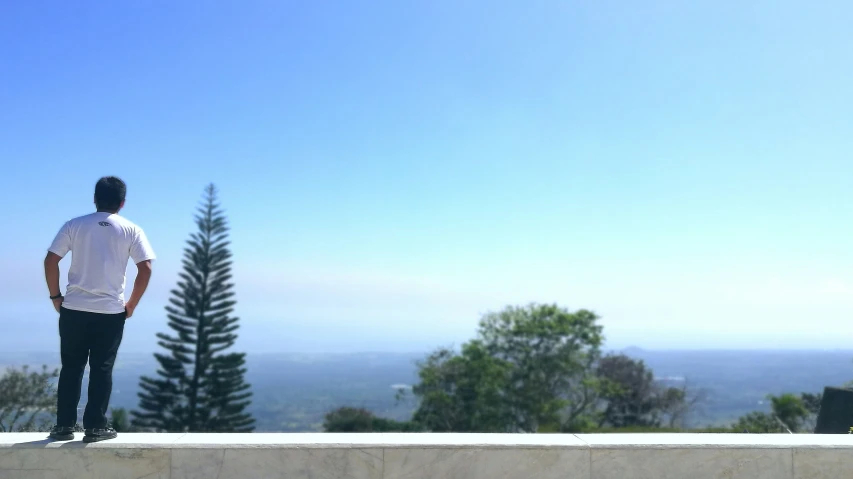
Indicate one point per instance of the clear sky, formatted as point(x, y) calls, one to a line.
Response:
point(394, 169)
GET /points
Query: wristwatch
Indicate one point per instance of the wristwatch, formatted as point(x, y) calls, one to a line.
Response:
point(56, 297)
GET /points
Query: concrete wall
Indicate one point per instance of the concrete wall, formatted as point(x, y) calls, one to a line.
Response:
point(422, 456)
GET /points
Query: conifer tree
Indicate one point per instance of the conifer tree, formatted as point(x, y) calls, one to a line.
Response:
point(199, 385)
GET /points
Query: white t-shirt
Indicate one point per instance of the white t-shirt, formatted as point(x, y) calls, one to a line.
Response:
point(100, 245)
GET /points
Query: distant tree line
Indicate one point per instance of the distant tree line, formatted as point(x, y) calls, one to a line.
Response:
point(537, 368)
point(540, 368)
point(349, 419)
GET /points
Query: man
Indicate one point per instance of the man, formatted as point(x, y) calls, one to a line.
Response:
point(93, 311)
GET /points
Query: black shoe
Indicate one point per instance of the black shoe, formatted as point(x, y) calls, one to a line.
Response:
point(62, 433)
point(95, 435)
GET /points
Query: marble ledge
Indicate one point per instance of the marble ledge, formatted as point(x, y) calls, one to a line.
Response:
point(429, 456)
point(438, 440)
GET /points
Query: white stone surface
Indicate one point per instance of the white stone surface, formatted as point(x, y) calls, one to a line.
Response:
point(825, 462)
point(692, 463)
point(382, 440)
point(703, 441)
point(78, 462)
point(422, 456)
point(289, 463)
point(470, 463)
point(34, 440)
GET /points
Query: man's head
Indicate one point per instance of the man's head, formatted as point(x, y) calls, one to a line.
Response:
point(109, 194)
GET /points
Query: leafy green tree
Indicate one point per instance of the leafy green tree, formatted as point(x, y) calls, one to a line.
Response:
point(464, 392)
point(789, 413)
point(200, 387)
point(349, 419)
point(552, 351)
point(790, 410)
point(529, 368)
point(759, 423)
point(27, 399)
point(632, 398)
point(678, 404)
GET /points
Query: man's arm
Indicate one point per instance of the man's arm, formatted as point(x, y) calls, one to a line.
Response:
point(51, 275)
point(143, 276)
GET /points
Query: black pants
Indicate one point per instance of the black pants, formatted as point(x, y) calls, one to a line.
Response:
point(95, 338)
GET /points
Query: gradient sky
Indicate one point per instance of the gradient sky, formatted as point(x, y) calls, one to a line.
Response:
point(392, 170)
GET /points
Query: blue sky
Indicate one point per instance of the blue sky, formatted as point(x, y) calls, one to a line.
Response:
point(392, 170)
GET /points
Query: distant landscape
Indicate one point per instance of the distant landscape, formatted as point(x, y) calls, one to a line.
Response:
point(292, 392)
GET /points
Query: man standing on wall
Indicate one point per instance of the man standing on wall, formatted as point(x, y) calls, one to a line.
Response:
point(93, 311)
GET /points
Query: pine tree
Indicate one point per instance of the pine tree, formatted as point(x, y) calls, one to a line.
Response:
point(200, 387)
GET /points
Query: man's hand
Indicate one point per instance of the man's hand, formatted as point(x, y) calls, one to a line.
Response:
point(57, 303)
point(143, 275)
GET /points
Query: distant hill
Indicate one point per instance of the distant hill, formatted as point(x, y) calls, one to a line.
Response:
point(293, 391)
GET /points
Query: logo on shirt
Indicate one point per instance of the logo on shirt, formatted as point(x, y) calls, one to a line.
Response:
point(104, 223)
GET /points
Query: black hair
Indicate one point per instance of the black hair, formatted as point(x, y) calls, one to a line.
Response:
point(109, 193)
